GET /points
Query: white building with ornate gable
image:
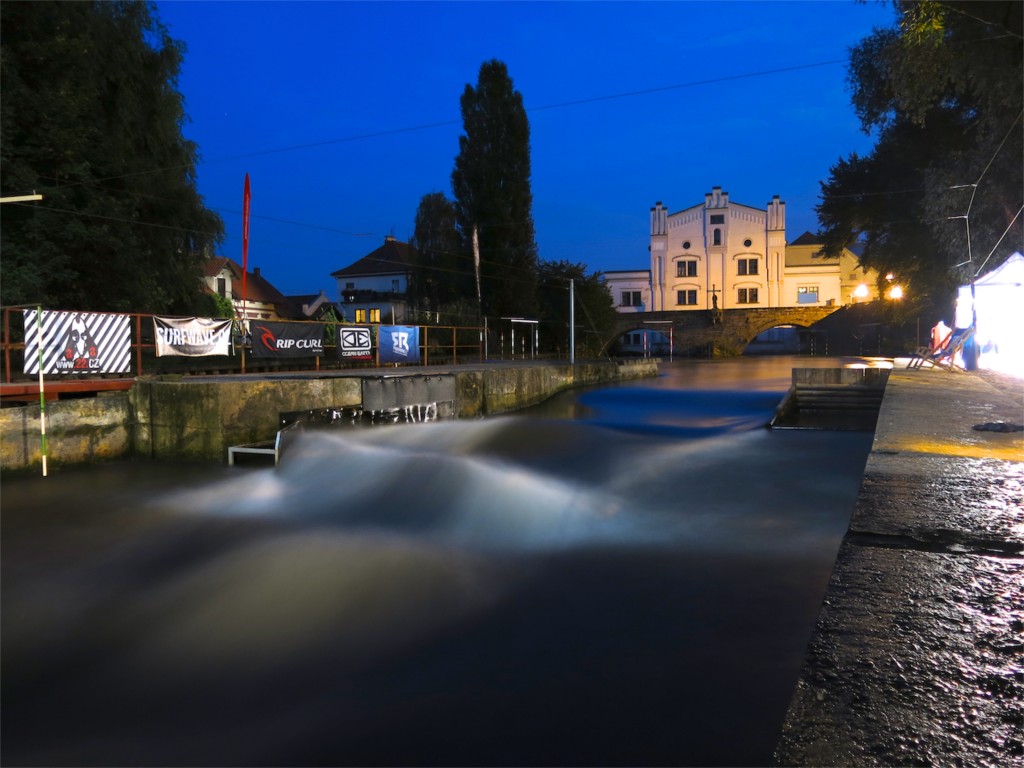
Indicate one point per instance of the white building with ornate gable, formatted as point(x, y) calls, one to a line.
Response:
point(719, 254)
point(725, 255)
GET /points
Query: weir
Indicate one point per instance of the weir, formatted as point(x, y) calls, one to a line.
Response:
point(385, 400)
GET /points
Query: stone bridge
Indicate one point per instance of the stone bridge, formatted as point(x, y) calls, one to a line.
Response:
point(724, 332)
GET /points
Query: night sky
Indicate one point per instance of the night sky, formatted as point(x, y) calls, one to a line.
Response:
point(346, 113)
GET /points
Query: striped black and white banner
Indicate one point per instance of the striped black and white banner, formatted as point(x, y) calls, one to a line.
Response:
point(78, 342)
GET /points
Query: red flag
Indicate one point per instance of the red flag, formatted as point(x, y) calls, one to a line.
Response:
point(246, 198)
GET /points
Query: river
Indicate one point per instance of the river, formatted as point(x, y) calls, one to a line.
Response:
point(624, 575)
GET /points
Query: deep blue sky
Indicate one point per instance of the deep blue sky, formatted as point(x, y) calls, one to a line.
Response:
point(324, 105)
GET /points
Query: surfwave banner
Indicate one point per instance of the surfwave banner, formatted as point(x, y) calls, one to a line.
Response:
point(399, 344)
point(355, 342)
point(272, 339)
point(192, 336)
point(78, 342)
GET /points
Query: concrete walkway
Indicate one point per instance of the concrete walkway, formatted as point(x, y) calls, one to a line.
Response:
point(918, 655)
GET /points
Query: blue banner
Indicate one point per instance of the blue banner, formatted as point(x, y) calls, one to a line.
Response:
point(399, 344)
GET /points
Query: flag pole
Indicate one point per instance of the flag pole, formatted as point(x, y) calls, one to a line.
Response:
point(246, 198)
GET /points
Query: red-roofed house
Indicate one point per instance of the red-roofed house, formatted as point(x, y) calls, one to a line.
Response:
point(262, 301)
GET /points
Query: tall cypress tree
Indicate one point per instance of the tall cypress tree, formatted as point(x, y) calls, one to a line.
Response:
point(92, 119)
point(491, 184)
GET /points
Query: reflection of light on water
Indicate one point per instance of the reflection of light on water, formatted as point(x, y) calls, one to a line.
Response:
point(367, 596)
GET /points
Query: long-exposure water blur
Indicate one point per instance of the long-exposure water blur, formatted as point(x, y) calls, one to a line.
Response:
point(624, 575)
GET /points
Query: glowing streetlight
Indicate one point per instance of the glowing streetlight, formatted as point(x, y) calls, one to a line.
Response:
point(861, 292)
point(896, 293)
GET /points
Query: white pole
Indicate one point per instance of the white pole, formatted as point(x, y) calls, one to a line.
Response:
point(572, 322)
point(42, 395)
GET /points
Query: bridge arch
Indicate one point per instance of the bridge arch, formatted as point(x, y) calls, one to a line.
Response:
point(728, 331)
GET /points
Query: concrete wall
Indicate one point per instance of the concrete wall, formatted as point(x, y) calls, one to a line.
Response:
point(200, 418)
point(77, 431)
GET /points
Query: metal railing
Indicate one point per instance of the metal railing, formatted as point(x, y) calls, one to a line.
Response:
point(438, 345)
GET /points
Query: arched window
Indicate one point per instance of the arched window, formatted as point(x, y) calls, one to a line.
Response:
point(717, 237)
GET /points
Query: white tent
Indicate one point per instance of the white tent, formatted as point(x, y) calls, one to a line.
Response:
point(999, 309)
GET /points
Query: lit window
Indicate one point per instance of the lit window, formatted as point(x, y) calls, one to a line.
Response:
point(686, 297)
point(746, 296)
point(746, 267)
point(360, 315)
point(807, 294)
point(686, 268)
point(375, 315)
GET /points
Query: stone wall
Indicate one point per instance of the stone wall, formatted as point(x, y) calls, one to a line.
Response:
point(78, 431)
point(199, 418)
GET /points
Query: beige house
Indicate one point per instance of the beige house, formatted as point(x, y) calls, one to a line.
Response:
point(812, 279)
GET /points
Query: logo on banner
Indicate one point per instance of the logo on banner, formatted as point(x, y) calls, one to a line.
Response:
point(191, 337)
point(355, 343)
point(399, 344)
point(272, 339)
point(80, 348)
point(77, 342)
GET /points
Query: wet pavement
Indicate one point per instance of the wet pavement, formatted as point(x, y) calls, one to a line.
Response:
point(917, 658)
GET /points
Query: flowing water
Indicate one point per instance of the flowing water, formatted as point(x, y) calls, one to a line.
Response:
point(625, 575)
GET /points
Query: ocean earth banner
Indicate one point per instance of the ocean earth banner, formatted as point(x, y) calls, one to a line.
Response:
point(355, 342)
point(399, 344)
point(78, 342)
point(270, 339)
point(192, 337)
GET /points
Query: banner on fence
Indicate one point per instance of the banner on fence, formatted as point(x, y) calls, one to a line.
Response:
point(192, 337)
point(355, 342)
point(78, 342)
point(272, 339)
point(399, 344)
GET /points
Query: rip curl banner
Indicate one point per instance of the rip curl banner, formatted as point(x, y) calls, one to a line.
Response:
point(270, 339)
point(355, 342)
point(192, 336)
point(78, 342)
point(399, 344)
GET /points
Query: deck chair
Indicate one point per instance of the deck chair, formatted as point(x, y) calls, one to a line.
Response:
point(945, 356)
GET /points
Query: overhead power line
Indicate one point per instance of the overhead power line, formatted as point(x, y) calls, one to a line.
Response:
point(447, 123)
